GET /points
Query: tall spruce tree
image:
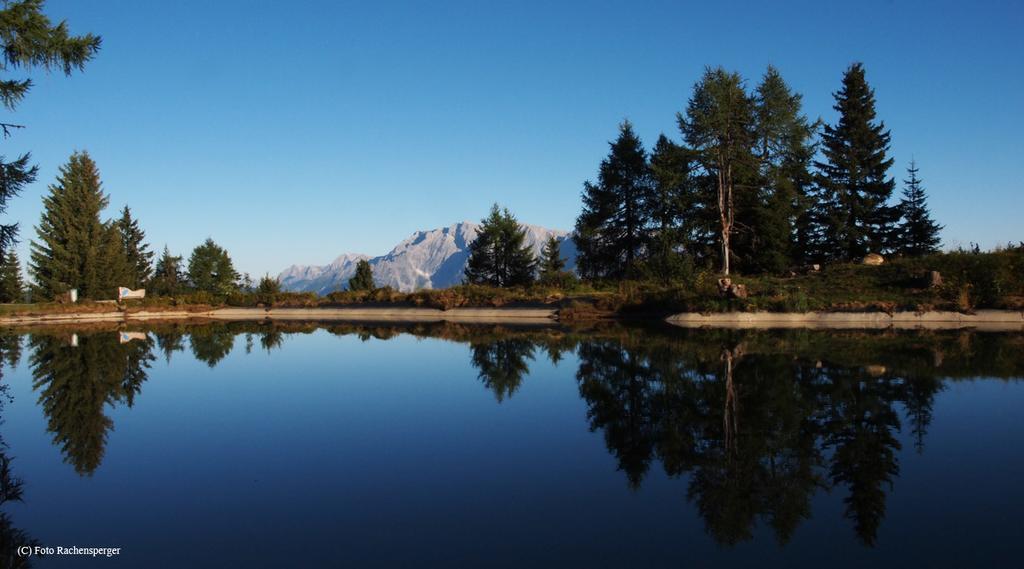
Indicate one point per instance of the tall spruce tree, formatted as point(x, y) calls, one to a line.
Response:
point(778, 222)
point(210, 269)
point(29, 40)
point(551, 261)
point(719, 127)
point(855, 185)
point(11, 287)
point(115, 271)
point(137, 254)
point(75, 249)
point(500, 256)
point(168, 276)
point(918, 232)
point(673, 209)
point(363, 279)
point(612, 228)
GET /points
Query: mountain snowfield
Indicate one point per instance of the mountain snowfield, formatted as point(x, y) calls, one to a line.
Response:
point(427, 259)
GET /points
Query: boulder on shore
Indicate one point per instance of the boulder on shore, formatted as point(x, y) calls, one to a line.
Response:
point(872, 259)
point(727, 289)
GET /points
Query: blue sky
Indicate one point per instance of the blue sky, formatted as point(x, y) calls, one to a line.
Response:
point(291, 132)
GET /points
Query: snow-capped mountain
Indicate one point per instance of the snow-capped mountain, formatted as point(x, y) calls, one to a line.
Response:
point(427, 259)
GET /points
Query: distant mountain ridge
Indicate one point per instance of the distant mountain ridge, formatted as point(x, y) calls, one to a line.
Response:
point(426, 259)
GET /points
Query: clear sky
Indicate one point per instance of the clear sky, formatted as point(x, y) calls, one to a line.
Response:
point(291, 132)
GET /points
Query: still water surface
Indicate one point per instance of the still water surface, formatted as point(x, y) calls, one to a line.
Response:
point(291, 445)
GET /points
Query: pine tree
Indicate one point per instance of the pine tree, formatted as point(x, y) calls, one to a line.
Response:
point(268, 285)
point(210, 269)
point(719, 126)
point(137, 253)
point(612, 228)
point(500, 256)
point(168, 277)
point(11, 286)
point(114, 270)
point(855, 187)
point(778, 222)
point(72, 249)
point(674, 210)
point(551, 263)
point(363, 279)
point(918, 232)
point(29, 40)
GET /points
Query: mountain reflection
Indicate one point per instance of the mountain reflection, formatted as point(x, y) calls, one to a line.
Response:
point(755, 423)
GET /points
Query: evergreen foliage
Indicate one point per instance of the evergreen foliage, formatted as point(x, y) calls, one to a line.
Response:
point(855, 186)
point(168, 276)
point(138, 257)
point(500, 256)
point(210, 269)
point(268, 285)
point(918, 232)
point(551, 262)
point(28, 40)
point(778, 232)
point(75, 249)
point(11, 286)
point(676, 214)
point(612, 228)
point(113, 268)
point(719, 127)
point(363, 279)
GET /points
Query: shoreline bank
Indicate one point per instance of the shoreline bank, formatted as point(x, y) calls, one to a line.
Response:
point(990, 320)
point(482, 315)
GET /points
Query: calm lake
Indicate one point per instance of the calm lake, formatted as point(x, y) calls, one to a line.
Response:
point(304, 445)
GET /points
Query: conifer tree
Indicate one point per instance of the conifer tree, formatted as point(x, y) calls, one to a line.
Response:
point(778, 224)
point(29, 40)
point(363, 279)
point(114, 270)
point(673, 209)
point(137, 254)
point(612, 228)
point(551, 261)
point(500, 256)
point(168, 276)
point(11, 286)
point(855, 186)
point(918, 232)
point(268, 285)
point(210, 269)
point(73, 248)
point(719, 127)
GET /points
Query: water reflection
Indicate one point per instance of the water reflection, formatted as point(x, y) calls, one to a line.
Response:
point(755, 422)
point(77, 380)
point(502, 364)
point(11, 486)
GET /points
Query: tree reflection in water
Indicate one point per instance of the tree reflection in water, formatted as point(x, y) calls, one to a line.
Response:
point(755, 422)
point(758, 433)
point(77, 380)
point(11, 486)
point(502, 364)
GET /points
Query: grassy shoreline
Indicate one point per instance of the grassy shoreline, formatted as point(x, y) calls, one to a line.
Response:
point(969, 282)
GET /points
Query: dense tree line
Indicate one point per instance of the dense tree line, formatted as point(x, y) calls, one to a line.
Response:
point(751, 187)
point(77, 249)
